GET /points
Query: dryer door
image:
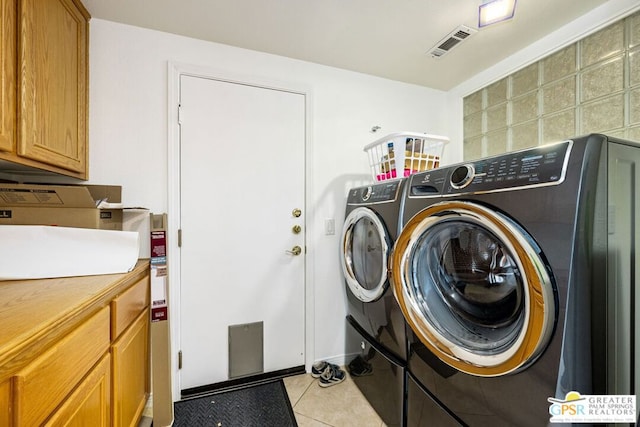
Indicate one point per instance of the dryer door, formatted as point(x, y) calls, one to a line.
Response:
point(474, 287)
point(364, 254)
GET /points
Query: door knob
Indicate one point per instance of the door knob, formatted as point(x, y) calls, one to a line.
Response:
point(296, 229)
point(296, 212)
point(296, 250)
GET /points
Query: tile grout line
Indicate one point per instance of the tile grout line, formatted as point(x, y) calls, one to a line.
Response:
point(313, 381)
point(302, 394)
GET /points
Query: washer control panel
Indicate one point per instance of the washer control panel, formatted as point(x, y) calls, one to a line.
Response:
point(375, 193)
point(533, 167)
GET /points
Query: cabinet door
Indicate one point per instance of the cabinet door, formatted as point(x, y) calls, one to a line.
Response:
point(53, 83)
point(130, 370)
point(5, 403)
point(89, 404)
point(8, 68)
point(46, 382)
point(126, 308)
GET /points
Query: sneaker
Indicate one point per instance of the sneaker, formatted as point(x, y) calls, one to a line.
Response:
point(332, 375)
point(360, 367)
point(318, 368)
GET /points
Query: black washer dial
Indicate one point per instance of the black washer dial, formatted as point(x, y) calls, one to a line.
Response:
point(462, 176)
point(366, 195)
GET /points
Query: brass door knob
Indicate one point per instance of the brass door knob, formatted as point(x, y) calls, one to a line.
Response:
point(295, 251)
point(296, 229)
point(296, 212)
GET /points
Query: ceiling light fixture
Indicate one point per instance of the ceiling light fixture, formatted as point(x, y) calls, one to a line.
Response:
point(494, 11)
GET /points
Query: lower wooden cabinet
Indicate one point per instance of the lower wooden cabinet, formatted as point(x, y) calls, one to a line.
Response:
point(130, 368)
point(89, 405)
point(88, 366)
point(48, 380)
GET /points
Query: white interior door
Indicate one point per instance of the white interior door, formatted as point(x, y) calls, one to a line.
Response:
point(242, 175)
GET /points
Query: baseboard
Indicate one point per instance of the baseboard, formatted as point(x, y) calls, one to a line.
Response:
point(240, 382)
point(340, 360)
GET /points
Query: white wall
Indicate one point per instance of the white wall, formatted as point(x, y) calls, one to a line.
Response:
point(129, 136)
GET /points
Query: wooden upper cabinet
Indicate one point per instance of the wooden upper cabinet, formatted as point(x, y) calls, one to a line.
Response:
point(6, 410)
point(8, 54)
point(53, 93)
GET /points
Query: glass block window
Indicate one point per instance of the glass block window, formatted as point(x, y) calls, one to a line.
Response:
point(590, 86)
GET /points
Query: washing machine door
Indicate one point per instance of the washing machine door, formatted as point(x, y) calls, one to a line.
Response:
point(474, 288)
point(364, 254)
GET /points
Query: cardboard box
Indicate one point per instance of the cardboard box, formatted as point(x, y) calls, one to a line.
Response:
point(61, 205)
point(111, 218)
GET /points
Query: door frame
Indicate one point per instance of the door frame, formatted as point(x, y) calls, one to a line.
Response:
point(175, 71)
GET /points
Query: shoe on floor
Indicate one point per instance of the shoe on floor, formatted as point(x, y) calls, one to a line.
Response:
point(318, 368)
point(360, 367)
point(331, 376)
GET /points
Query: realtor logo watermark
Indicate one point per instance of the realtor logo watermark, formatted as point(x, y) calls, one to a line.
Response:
point(577, 408)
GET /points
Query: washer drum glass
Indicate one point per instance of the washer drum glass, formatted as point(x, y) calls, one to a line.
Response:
point(474, 288)
point(364, 254)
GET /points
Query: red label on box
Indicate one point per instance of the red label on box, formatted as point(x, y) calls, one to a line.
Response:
point(158, 314)
point(158, 244)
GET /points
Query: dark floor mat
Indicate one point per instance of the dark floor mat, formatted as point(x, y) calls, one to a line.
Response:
point(253, 406)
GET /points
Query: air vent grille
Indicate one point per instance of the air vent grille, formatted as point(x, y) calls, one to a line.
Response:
point(449, 43)
point(451, 40)
point(462, 34)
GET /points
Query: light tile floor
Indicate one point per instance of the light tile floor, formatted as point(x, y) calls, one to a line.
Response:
point(341, 405)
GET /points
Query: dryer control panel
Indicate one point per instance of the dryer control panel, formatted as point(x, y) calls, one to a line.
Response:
point(376, 193)
point(527, 168)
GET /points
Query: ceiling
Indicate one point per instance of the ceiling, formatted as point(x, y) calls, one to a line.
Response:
point(385, 38)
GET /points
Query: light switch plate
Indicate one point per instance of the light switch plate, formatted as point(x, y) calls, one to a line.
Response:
point(329, 226)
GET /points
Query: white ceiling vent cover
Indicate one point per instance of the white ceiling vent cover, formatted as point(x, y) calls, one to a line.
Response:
point(450, 41)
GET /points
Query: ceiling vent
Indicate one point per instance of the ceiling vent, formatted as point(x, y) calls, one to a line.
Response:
point(450, 41)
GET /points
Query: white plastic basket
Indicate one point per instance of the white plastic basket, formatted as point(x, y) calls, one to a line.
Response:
point(416, 152)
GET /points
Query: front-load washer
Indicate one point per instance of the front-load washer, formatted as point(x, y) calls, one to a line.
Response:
point(375, 322)
point(517, 275)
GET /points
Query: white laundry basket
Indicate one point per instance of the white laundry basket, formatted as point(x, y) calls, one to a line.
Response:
point(415, 152)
